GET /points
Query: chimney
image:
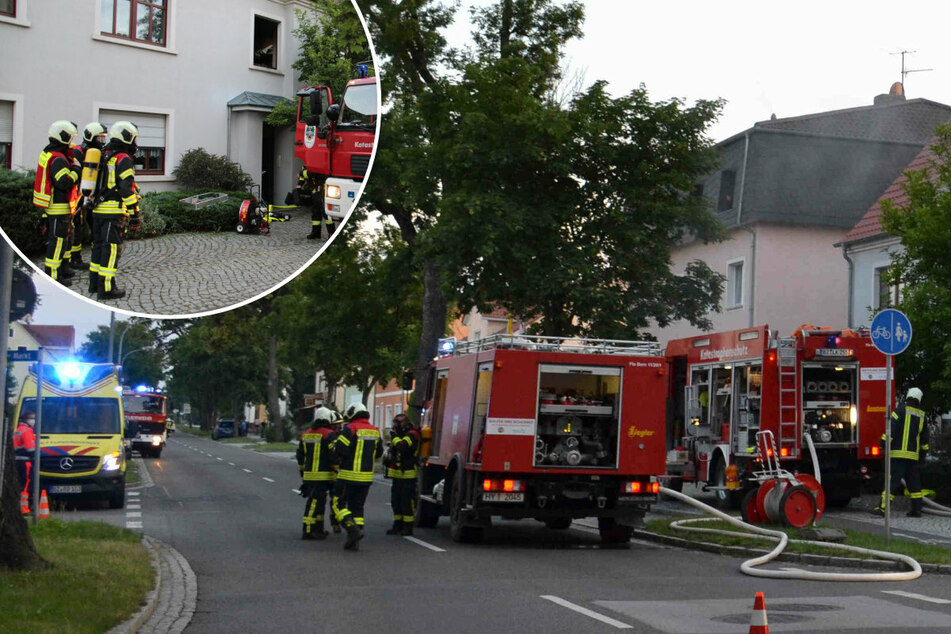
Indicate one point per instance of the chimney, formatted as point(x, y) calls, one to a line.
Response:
point(896, 94)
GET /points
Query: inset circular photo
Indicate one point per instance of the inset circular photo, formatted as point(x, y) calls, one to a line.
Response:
point(197, 159)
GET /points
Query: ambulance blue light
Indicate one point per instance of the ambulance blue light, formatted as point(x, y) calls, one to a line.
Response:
point(69, 371)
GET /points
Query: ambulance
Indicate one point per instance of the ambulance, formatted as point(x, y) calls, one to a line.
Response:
point(81, 430)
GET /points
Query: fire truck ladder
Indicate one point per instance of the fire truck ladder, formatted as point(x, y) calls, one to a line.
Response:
point(788, 396)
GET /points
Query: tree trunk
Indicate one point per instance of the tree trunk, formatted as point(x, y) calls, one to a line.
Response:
point(16, 545)
point(433, 327)
point(273, 395)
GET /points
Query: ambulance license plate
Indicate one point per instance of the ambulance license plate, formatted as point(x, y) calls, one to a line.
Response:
point(66, 488)
point(503, 496)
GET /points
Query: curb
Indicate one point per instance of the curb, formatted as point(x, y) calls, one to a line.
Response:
point(805, 558)
point(151, 599)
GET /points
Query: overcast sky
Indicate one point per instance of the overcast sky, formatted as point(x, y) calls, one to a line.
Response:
point(788, 59)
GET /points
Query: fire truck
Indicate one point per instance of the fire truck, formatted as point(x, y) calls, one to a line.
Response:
point(147, 419)
point(543, 428)
point(337, 139)
point(820, 392)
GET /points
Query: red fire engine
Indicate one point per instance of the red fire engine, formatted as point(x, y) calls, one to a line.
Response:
point(147, 419)
point(820, 392)
point(543, 428)
point(336, 140)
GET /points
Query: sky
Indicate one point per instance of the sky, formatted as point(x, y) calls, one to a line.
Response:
point(763, 58)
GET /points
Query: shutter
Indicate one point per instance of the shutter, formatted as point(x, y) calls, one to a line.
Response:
point(6, 122)
point(151, 126)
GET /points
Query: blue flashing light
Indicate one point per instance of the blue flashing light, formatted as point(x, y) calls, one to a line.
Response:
point(447, 346)
point(70, 371)
point(832, 342)
point(142, 388)
point(362, 71)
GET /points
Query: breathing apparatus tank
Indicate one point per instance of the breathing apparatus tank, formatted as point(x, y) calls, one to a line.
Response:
point(87, 184)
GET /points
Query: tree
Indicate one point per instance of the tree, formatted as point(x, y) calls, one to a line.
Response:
point(332, 43)
point(143, 354)
point(575, 219)
point(923, 269)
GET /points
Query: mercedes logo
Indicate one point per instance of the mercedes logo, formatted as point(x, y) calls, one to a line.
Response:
point(66, 463)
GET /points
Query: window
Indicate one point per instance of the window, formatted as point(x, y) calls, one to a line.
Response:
point(150, 159)
point(886, 295)
point(265, 42)
point(734, 284)
point(137, 20)
point(6, 133)
point(727, 183)
point(8, 7)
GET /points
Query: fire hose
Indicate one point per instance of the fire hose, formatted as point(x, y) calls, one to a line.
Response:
point(749, 567)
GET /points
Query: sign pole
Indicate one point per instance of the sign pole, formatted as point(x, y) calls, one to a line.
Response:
point(888, 447)
point(37, 432)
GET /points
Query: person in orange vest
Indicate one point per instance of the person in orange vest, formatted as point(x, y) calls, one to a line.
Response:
point(57, 174)
point(24, 446)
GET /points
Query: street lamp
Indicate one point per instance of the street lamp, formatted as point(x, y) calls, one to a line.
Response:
point(122, 339)
point(127, 355)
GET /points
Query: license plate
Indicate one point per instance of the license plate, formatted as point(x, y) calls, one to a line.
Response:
point(503, 496)
point(66, 488)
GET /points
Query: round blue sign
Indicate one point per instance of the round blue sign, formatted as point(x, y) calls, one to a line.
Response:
point(891, 331)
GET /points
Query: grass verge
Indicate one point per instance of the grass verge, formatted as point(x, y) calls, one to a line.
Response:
point(923, 553)
point(194, 431)
point(240, 440)
point(132, 475)
point(99, 577)
point(277, 446)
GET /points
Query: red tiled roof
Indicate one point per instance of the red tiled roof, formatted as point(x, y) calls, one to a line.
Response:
point(53, 336)
point(870, 225)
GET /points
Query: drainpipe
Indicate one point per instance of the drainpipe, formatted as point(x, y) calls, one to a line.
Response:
point(845, 254)
point(739, 215)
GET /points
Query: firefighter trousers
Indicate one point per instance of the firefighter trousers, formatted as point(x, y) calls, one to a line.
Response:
point(58, 228)
point(403, 500)
point(316, 493)
point(319, 216)
point(76, 236)
point(349, 499)
point(106, 248)
point(907, 469)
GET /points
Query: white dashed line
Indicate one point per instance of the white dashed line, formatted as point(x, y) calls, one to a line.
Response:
point(133, 524)
point(219, 458)
point(134, 514)
point(268, 479)
point(912, 595)
point(587, 612)
point(297, 491)
point(231, 463)
point(247, 470)
point(424, 544)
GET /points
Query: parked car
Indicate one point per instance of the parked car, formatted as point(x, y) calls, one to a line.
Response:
point(225, 428)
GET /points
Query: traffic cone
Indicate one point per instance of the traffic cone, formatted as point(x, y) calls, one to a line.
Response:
point(24, 503)
point(44, 506)
point(758, 619)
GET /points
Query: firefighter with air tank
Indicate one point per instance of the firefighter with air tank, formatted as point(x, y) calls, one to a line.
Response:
point(401, 460)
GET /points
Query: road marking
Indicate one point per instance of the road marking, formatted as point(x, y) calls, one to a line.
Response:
point(268, 479)
point(231, 463)
point(133, 507)
point(590, 613)
point(134, 514)
point(247, 470)
point(424, 544)
point(133, 524)
point(219, 458)
point(297, 491)
point(912, 595)
point(133, 493)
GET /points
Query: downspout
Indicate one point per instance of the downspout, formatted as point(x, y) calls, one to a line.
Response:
point(845, 254)
point(228, 151)
point(739, 215)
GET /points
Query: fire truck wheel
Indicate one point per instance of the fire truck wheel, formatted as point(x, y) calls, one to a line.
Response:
point(725, 499)
point(458, 531)
point(558, 523)
point(612, 532)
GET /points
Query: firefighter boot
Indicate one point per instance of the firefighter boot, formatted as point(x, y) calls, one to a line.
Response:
point(915, 508)
point(354, 534)
point(314, 232)
point(76, 261)
point(407, 529)
point(65, 281)
point(397, 528)
point(114, 293)
point(66, 271)
point(93, 282)
point(334, 525)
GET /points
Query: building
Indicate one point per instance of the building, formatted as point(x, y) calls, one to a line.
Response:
point(788, 190)
point(188, 74)
point(57, 343)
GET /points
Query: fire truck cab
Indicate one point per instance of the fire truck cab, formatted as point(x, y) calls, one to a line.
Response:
point(546, 428)
point(147, 419)
point(820, 392)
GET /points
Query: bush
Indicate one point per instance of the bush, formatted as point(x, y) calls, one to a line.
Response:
point(200, 170)
point(163, 212)
point(18, 216)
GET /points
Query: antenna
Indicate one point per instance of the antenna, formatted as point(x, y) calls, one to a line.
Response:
point(905, 72)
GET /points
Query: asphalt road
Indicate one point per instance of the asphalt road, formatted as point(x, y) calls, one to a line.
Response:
point(234, 516)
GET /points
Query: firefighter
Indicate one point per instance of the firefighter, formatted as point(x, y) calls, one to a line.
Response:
point(24, 447)
point(317, 472)
point(402, 468)
point(56, 176)
point(118, 202)
point(357, 446)
point(94, 136)
point(909, 446)
point(308, 192)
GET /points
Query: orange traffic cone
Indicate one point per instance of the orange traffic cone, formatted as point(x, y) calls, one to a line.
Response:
point(758, 620)
point(24, 503)
point(45, 506)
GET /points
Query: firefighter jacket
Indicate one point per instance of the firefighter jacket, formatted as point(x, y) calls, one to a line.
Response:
point(405, 446)
point(24, 439)
point(118, 193)
point(909, 432)
point(56, 179)
point(357, 447)
point(314, 455)
point(305, 183)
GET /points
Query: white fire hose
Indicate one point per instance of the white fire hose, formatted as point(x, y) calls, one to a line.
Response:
point(749, 567)
point(930, 506)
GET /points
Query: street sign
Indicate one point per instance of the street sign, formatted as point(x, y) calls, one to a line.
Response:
point(891, 331)
point(22, 354)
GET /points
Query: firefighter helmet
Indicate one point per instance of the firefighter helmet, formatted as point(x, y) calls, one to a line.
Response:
point(124, 131)
point(63, 131)
point(324, 415)
point(916, 394)
point(93, 130)
point(354, 410)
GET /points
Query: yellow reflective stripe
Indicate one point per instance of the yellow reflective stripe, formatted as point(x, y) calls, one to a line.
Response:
point(355, 476)
point(358, 455)
point(904, 435)
point(130, 200)
point(318, 476)
point(343, 440)
point(126, 174)
point(368, 433)
point(69, 172)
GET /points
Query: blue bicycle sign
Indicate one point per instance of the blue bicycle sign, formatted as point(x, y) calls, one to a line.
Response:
point(891, 331)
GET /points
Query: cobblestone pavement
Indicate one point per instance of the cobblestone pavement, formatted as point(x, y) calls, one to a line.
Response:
point(190, 273)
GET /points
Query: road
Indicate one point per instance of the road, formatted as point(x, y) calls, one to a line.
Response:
point(233, 514)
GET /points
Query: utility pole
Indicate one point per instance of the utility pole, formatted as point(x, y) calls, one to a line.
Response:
point(905, 72)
